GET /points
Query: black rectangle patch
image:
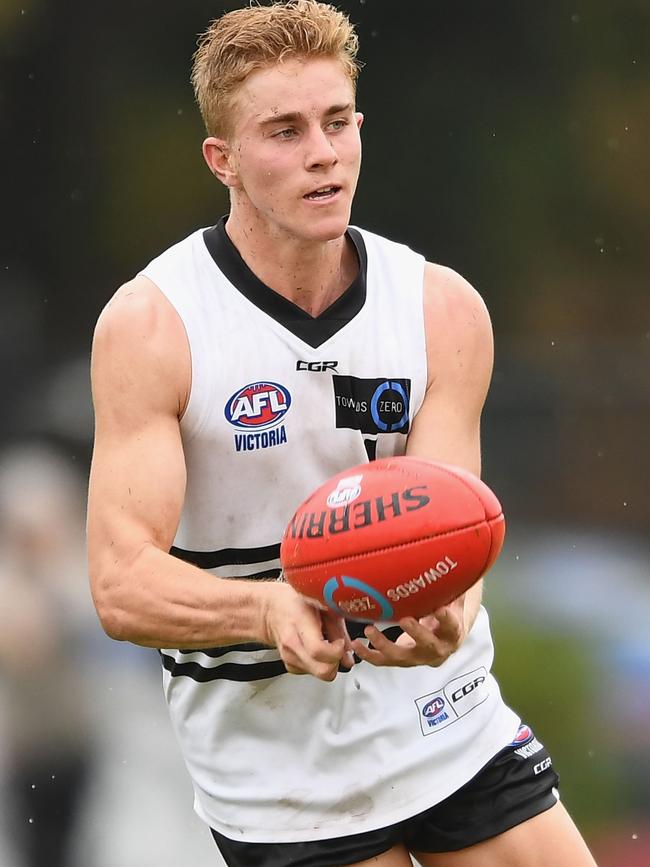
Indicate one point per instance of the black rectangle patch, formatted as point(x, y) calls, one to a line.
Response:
point(372, 405)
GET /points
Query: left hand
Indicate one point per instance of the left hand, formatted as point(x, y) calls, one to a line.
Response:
point(429, 640)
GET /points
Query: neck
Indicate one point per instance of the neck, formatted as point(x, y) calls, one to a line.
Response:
point(310, 273)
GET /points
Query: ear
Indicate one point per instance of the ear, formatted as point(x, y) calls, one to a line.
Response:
point(359, 119)
point(216, 153)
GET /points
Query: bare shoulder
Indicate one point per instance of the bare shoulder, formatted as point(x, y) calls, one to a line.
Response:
point(140, 344)
point(457, 323)
point(451, 297)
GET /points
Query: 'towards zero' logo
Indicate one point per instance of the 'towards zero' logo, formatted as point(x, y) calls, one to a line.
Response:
point(257, 410)
point(372, 406)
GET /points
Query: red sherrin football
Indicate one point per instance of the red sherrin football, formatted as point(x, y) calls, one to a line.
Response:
point(393, 538)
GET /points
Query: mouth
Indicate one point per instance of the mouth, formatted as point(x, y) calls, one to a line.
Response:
point(323, 194)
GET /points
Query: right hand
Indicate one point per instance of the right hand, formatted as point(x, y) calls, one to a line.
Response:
point(310, 641)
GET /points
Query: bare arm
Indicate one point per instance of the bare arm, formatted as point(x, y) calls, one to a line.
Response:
point(141, 380)
point(460, 357)
point(446, 428)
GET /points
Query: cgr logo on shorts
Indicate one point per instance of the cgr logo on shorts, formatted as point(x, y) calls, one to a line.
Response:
point(258, 408)
point(372, 406)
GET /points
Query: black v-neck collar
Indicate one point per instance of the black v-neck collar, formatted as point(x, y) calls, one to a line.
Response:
point(313, 330)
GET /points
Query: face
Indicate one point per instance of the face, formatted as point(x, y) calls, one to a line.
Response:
point(295, 153)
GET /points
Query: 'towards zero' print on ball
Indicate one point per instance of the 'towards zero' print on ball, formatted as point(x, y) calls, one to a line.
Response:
point(393, 538)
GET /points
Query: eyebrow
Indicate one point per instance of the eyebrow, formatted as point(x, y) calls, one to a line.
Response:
point(293, 116)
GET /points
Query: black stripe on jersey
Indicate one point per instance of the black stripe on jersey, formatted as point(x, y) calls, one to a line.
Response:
point(232, 557)
point(249, 671)
point(225, 671)
point(216, 652)
point(355, 630)
point(313, 330)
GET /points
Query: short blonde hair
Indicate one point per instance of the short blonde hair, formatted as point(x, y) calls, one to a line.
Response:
point(244, 40)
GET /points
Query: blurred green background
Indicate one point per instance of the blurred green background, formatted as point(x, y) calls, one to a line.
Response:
point(508, 140)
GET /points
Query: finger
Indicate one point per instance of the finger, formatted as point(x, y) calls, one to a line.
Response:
point(335, 627)
point(306, 651)
point(374, 657)
point(327, 651)
point(377, 638)
point(449, 626)
point(292, 669)
point(390, 652)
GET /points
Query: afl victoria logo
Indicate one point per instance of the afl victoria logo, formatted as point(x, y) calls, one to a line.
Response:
point(433, 708)
point(258, 405)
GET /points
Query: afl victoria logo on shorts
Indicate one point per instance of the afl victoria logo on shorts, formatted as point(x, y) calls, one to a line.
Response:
point(372, 406)
point(257, 410)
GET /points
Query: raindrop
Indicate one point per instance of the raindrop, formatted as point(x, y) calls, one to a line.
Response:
point(552, 343)
point(635, 836)
point(31, 821)
point(575, 18)
point(516, 556)
point(33, 785)
point(625, 502)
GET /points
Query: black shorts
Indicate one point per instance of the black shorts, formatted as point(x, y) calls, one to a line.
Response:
point(517, 784)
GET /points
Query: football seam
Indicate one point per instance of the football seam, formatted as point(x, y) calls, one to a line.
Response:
point(447, 469)
point(397, 546)
point(488, 521)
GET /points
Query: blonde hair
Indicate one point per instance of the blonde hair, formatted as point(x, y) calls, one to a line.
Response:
point(244, 40)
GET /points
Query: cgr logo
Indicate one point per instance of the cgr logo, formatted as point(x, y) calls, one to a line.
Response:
point(258, 406)
point(316, 366)
point(466, 689)
point(542, 766)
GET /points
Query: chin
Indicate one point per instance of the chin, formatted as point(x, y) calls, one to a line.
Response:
point(323, 228)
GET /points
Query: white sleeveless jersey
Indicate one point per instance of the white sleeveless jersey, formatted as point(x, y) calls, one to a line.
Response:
point(279, 402)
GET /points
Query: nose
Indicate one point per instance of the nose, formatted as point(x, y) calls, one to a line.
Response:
point(320, 152)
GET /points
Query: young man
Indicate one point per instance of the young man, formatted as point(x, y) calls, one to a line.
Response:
point(233, 376)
